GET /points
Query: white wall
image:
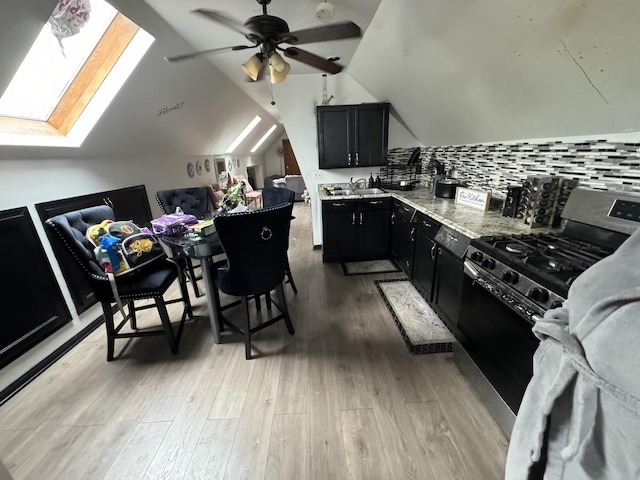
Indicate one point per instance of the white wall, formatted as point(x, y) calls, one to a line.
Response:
point(274, 159)
point(471, 72)
point(297, 104)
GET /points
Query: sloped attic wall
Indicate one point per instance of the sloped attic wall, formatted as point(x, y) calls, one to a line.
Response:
point(466, 72)
point(133, 143)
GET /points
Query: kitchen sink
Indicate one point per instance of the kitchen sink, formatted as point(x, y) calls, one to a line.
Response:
point(342, 192)
point(357, 191)
point(368, 191)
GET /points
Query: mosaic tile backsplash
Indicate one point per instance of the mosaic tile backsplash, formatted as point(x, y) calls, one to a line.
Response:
point(598, 164)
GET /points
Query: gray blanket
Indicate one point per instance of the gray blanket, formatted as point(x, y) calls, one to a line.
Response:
point(586, 380)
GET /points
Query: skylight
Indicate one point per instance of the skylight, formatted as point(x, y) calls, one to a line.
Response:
point(62, 88)
point(28, 96)
point(264, 137)
point(247, 130)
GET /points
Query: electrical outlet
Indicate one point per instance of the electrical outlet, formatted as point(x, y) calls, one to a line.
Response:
point(495, 179)
point(317, 175)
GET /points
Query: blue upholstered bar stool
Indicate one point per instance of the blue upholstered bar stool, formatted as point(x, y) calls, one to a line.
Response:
point(194, 201)
point(150, 282)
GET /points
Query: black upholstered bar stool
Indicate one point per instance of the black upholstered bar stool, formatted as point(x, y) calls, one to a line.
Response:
point(255, 243)
point(272, 196)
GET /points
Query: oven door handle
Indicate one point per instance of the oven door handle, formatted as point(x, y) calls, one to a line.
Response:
point(470, 269)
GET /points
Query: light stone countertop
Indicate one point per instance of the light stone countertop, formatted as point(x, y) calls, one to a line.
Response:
point(461, 218)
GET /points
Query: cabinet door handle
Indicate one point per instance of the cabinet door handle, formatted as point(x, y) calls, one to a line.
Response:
point(406, 209)
point(375, 202)
point(393, 219)
point(353, 218)
point(451, 237)
point(349, 159)
point(357, 159)
point(428, 225)
point(360, 218)
point(335, 204)
point(433, 251)
point(107, 201)
point(413, 234)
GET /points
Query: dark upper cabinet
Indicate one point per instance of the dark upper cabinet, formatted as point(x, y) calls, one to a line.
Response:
point(128, 204)
point(352, 135)
point(355, 229)
point(33, 305)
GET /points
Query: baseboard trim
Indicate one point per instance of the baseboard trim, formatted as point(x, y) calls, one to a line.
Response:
point(41, 366)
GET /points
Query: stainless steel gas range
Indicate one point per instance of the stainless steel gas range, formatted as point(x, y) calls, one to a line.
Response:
point(511, 281)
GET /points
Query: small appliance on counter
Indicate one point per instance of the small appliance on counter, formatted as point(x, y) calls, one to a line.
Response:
point(446, 188)
point(436, 171)
point(512, 206)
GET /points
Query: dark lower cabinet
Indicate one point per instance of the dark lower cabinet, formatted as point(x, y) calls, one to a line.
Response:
point(129, 203)
point(449, 278)
point(447, 296)
point(355, 229)
point(32, 303)
point(403, 236)
point(425, 256)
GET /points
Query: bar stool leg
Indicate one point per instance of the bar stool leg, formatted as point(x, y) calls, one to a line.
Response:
point(247, 328)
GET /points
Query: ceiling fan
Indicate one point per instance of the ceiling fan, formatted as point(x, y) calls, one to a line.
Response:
point(267, 33)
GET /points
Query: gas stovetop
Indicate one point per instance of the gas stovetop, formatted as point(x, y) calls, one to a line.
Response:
point(537, 269)
point(551, 260)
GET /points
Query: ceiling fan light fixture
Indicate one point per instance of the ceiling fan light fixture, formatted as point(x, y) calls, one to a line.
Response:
point(325, 12)
point(252, 66)
point(277, 77)
point(277, 62)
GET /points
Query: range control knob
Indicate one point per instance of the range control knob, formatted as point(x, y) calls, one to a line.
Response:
point(489, 263)
point(510, 277)
point(476, 256)
point(538, 294)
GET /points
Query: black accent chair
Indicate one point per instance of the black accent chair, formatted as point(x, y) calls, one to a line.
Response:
point(255, 243)
point(272, 196)
point(149, 282)
point(194, 201)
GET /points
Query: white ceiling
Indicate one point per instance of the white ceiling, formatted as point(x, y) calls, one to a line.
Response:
point(205, 34)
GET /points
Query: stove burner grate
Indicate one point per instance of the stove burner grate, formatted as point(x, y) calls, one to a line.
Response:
point(515, 248)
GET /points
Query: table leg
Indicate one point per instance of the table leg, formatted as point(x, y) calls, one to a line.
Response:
point(211, 299)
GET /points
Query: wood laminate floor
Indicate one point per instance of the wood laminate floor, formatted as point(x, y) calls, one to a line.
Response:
point(341, 399)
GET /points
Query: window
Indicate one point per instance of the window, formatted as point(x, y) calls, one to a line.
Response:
point(79, 85)
point(243, 134)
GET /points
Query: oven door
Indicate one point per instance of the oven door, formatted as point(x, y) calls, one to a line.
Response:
point(497, 336)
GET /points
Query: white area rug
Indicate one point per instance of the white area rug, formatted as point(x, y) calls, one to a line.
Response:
point(420, 327)
point(369, 267)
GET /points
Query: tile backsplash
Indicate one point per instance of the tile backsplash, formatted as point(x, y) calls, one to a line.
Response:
point(598, 164)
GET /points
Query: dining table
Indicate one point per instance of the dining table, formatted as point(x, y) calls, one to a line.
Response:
point(202, 249)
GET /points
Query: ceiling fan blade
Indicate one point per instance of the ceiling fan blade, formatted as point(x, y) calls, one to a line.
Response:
point(219, 17)
point(187, 56)
point(335, 31)
point(312, 59)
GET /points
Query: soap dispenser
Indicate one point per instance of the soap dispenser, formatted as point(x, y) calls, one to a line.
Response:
point(370, 184)
point(378, 182)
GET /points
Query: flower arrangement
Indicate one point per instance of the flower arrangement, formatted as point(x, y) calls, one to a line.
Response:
point(233, 198)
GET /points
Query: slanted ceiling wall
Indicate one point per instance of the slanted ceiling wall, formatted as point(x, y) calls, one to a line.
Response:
point(462, 72)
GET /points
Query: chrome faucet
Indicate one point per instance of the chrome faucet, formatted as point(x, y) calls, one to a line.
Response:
point(354, 185)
